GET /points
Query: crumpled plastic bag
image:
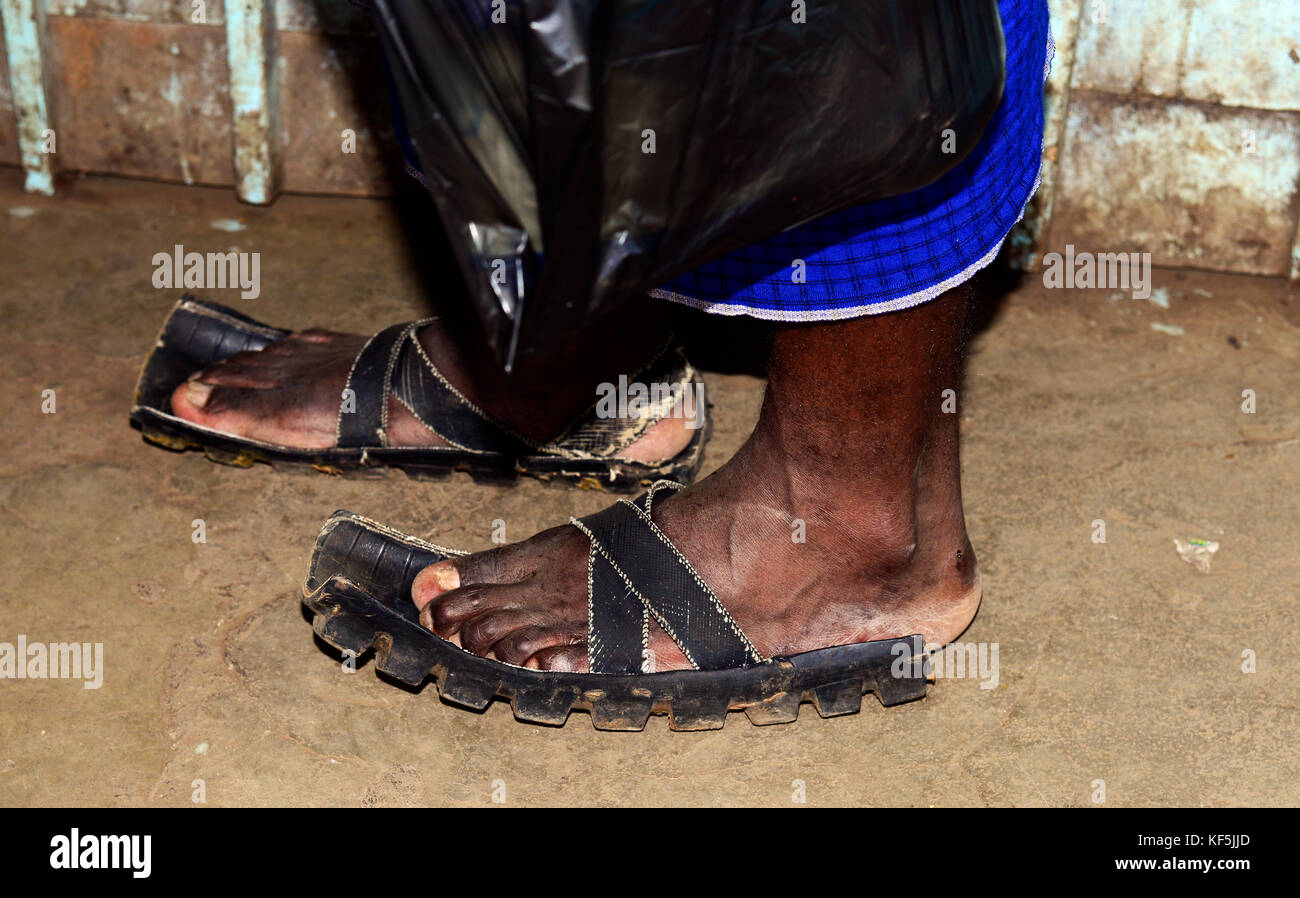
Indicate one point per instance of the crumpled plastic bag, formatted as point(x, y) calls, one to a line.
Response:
point(1197, 552)
point(584, 151)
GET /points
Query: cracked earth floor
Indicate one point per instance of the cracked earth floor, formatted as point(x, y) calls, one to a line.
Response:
point(1118, 661)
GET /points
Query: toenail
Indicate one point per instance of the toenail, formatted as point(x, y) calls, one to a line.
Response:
point(196, 394)
point(446, 576)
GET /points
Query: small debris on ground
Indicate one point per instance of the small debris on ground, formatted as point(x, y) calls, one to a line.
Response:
point(1172, 330)
point(227, 224)
point(1197, 552)
point(1159, 297)
point(21, 211)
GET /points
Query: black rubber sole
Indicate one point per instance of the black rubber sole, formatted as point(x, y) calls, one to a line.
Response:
point(422, 464)
point(358, 591)
point(197, 334)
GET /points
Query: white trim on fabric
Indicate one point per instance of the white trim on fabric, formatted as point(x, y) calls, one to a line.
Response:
point(875, 308)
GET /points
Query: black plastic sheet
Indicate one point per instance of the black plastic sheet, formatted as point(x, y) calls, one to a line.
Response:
point(583, 151)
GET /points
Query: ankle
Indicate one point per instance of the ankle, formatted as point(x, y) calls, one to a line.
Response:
point(543, 394)
point(886, 525)
point(534, 405)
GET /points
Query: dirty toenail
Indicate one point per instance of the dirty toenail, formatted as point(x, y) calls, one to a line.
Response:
point(445, 578)
point(446, 575)
point(196, 393)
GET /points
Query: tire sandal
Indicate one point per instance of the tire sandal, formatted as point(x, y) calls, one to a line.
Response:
point(359, 590)
point(198, 334)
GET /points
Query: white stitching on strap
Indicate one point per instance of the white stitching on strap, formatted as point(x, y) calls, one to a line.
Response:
point(388, 381)
point(505, 428)
point(646, 610)
point(645, 642)
point(754, 653)
point(595, 544)
point(655, 487)
point(591, 617)
point(429, 427)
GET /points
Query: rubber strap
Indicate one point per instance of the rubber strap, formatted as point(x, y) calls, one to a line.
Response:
point(363, 411)
point(633, 559)
point(617, 624)
point(444, 409)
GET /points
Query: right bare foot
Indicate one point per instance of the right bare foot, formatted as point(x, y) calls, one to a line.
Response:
point(288, 394)
point(872, 565)
point(840, 520)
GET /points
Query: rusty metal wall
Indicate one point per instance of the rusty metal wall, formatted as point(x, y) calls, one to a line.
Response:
point(265, 97)
point(1174, 129)
point(1173, 126)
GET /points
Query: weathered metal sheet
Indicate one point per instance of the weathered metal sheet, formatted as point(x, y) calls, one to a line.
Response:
point(337, 131)
point(1193, 184)
point(1214, 51)
point(154, 101)
point(141, 99)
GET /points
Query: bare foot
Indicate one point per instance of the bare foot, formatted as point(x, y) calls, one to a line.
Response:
point(288, 394)
point(863, 573)
point(853, 453)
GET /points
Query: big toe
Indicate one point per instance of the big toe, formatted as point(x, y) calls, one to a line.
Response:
point(190, 400)
point(230, 409)
point(433, 581)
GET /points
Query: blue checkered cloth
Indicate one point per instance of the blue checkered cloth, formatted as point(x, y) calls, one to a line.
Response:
point(899, 252)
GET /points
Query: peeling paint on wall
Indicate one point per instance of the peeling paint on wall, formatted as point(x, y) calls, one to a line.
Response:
point(254, 97)
point(1138, 143)
point(1181, 133)
point(24, 29)
point(149, 101)
point(1213, 51)
point(1173, 179)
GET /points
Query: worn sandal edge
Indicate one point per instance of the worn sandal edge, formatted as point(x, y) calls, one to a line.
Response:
point(357, 606)
point(169, 365)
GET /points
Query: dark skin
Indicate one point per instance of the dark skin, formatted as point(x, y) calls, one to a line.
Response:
point(288, 393)
point(852, 441)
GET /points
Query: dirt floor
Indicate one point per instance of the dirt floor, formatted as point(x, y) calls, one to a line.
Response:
point(1118, 661)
